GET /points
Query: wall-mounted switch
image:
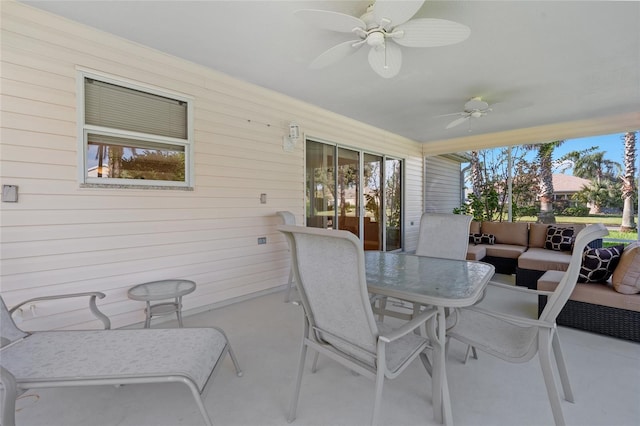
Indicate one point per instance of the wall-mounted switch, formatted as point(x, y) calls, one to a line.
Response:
point(263, 198)
point(262, 240)
point(9, 193)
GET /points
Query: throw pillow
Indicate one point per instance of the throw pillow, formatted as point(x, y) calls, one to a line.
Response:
point(472, 238)
point(599, 263)
point(626, 277)
point(559, 239)
point(484, 239)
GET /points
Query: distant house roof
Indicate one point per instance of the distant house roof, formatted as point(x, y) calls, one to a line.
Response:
point(568, 184)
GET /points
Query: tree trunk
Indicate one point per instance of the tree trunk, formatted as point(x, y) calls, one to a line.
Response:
point(546, 210)
point(628, 180)
point(476, 174)
point(545, 157)
point(628, 224)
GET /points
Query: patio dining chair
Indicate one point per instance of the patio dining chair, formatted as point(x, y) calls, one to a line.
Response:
point(52, 359)
point(338, 319)
point(441, 235)
point(518, 338)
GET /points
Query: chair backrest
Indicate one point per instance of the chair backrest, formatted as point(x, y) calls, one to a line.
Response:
point(8, 329)
point(444, 235)
point(563, 291)
point(287, 217)
point(331, 280)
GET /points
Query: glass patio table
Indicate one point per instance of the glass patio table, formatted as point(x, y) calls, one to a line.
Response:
point(443, 283)
point(162, 290)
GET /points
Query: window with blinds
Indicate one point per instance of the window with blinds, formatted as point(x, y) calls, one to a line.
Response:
point(134, 136)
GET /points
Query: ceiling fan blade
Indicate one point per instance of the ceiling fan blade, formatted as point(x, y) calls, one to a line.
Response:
point(458, 121)
point(329, 20)
point(386, 60)
point(428, 32)
point(449, 115)
point(395, 12)
point(336, 53)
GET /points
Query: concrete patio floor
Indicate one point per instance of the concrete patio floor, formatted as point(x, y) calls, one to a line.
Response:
point(265, 332)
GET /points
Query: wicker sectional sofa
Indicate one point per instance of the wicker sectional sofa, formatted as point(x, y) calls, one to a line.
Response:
point(609, 307)
point(519, 248)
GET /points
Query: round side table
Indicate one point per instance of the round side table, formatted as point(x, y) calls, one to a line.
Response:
point(162, 290)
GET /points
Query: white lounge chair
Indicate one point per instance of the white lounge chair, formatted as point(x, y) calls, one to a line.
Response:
point(49, 359)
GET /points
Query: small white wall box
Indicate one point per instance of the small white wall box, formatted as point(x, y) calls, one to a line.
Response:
point(9, 193)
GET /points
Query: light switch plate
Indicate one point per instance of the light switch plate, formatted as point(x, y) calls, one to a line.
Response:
point(9, 193)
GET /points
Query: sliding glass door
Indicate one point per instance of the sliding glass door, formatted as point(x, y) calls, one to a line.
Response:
point(393, 204)
point(373, 196)
point(348, 184)
point(355, 191)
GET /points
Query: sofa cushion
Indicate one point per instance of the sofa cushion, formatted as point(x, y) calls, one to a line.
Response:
point(540, 259)
point(559, 238)
point(515, 233)
point(474, 227)
point(596, 294)
point(476, 252)
point(508, 251)
point(538, 232)
point(626, 276)
point(598, 264)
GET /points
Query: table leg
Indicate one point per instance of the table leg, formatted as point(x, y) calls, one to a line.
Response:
point(179, 310)
point(436, 330)
point(147, 320)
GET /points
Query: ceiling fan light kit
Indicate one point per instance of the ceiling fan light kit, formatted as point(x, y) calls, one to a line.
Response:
point(384, 27)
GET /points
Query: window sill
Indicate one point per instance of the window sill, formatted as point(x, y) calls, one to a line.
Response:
point(130, 186)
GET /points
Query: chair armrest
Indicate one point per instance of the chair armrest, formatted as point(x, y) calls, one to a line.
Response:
point(408, 327)
point(513, 319)
point(92, 304)
point(519, 288)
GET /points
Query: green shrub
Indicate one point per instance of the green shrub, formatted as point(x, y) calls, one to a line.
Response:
point(577, 211)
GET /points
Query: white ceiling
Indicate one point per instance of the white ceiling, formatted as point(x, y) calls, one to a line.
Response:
point(548, 62)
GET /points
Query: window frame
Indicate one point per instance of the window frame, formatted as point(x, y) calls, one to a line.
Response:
point(85, 129)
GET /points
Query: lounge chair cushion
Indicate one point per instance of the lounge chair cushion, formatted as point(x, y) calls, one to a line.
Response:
point(109, 354)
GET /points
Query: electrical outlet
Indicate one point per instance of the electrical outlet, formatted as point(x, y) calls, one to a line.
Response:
point(262, 240)
point(9, 193)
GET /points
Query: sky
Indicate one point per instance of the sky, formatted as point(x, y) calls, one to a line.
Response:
point(612, 145)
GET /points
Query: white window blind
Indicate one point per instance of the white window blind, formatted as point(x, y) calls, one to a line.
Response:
point(112, 106)
point(130, 133)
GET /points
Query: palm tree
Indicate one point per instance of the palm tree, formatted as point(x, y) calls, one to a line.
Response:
point(628, 187)
point(476, 173)
point(545, 160)
point(596, 195)
point(592, 165)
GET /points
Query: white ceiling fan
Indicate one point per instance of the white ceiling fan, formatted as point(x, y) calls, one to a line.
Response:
point(474, 108)
point(384, 27)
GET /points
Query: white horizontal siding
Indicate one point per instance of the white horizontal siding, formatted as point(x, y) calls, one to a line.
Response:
point(61, 238)
point(442, 185)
